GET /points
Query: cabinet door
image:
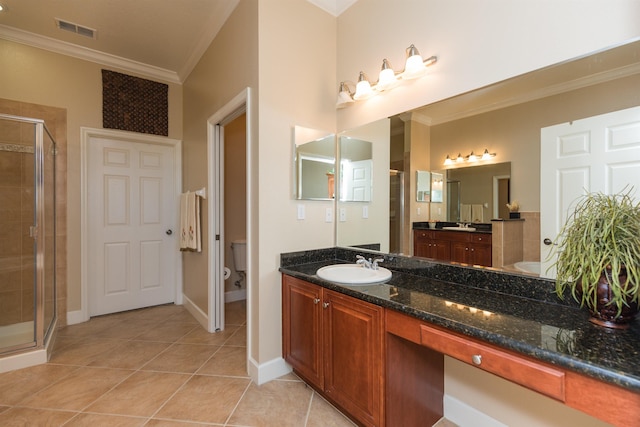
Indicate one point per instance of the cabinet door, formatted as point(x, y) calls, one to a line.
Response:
point(353, 341)
point(441, 250)
point(460, 252)
point(421, 243)
point(302, 328)
point(480, 255)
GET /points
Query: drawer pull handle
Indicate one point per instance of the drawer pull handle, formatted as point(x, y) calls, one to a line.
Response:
point(316, 300)
point(476, 359)
point(325, 304)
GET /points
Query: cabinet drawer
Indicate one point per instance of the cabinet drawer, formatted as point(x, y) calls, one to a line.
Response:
point(481, 238)
point(423, 234)
point(532, 375)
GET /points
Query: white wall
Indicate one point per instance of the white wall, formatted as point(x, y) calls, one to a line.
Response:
point(297, 45)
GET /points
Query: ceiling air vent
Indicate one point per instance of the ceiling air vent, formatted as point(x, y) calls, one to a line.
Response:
point(75, 28)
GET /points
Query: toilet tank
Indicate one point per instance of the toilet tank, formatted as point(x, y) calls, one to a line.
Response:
point(239, 248)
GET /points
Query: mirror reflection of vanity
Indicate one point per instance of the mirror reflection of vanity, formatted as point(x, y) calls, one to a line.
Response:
point(505, 119)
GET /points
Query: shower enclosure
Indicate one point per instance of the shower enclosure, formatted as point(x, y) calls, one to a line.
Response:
point(27, 237)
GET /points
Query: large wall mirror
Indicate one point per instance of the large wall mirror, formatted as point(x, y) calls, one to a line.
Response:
point(314, 164)
point(506, 119)
point(356, 170)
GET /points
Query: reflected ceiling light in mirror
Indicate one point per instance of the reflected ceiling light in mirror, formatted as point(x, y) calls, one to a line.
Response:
point(345, 96)
point(486, 155)
point(415, 67)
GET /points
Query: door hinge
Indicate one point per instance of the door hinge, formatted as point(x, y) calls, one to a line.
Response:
point(33, 232)
point(217, 237)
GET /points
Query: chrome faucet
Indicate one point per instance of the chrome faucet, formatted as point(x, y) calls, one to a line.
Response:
point(368, 263)
point(364, 262)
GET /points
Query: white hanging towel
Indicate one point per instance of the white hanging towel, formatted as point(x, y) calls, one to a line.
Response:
point(190, 239)
point(465, 212)
point(477, 213)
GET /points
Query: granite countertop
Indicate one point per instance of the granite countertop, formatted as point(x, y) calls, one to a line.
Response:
point(516, 312)
point(479, 227)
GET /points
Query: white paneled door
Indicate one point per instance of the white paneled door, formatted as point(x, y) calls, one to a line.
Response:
point(131, 224)
point(596, 154)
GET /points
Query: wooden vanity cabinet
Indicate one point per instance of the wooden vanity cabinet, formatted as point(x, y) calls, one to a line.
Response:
point(457, 246)
point(426, 244)
point(335, 343)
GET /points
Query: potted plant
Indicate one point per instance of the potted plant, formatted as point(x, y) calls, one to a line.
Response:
point(598, 257)
point(514, 208)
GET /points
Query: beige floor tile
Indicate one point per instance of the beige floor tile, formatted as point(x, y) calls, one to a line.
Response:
point(28, 417)
point(443, 422)
point(323, 414)
point(4, 408)
point(183, 317)
point(142, 394)
point(276, 403)
point(168, 423)
point(239, 338)
point(97, 420)
point(18, 385)
point(235, 313)
point(201, 336)
point(168, 331)
point(90, 328)
point(84, 352)
point(125, 329)
point(129, 354)
point(205, 399)
point(230, 361)
point(181, 358)
point(78, 389)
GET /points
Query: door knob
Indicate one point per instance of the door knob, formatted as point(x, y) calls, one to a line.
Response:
point(547, 241)
point(169, 232)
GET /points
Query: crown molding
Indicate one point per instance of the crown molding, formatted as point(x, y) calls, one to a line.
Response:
point(533, 95)
point(69, 49)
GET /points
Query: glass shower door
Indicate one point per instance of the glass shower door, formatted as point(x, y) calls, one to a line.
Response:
point(17, 247)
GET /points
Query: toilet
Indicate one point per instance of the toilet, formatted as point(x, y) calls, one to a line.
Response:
point(239, 249)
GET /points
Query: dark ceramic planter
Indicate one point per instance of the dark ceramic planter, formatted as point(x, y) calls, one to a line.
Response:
point(605, 314)
point(514, 215)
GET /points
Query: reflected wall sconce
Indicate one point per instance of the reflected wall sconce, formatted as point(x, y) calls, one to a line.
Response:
point(415, 67)
point(472, 157)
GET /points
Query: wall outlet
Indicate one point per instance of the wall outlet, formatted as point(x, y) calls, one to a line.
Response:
point(365, 212)
point(300, 211)
point(343, 214)
point(328, 215)
point(418, 211)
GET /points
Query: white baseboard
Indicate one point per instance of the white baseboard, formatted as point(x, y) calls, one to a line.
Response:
point(238, 295)
point(23, 360)
point(464, 415)
point(268, 371)
point(75, 317)
point(196, 312)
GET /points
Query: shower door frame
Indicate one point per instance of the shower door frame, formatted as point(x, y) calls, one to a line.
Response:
point(38, 233)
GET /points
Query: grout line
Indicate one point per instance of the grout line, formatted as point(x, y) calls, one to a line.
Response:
point(306, 418)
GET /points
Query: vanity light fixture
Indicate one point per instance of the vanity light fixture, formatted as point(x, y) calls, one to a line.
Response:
point(345, 96)
point(415, 67)
point(487, 155)
point(472, 157)
point(363, 88)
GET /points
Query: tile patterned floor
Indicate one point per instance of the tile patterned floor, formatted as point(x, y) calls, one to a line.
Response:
point(156, 367)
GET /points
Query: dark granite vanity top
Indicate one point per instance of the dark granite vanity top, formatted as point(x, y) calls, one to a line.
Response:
point(479, 227)
point(515, 312)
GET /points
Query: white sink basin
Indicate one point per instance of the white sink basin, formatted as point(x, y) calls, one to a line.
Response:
point(459, 228)
point(353, 274)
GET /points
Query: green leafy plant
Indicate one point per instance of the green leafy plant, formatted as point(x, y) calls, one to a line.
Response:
point(602, 235)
